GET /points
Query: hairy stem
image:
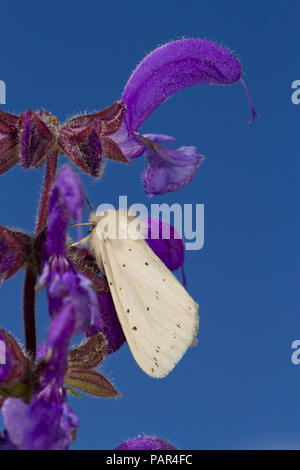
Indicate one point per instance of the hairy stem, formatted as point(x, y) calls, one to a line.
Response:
point(29, 311)
point(30, 275)
point(49, 179)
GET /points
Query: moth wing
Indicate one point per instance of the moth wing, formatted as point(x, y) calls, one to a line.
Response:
point(158, 316)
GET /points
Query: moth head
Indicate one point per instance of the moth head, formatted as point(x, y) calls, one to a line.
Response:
point(118, 225)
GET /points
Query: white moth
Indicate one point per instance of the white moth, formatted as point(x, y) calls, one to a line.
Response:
point(158, 317)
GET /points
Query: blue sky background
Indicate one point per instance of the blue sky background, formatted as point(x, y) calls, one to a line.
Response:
point(238, 389)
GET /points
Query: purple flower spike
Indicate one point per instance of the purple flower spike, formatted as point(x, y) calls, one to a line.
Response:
point(146, 443)
point(47, 422)
point(171, 67)
point(66, 203)
point(71, 191)
point(65, 285)
point(162, 73)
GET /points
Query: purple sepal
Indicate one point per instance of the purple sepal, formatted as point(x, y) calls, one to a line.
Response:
point(86, 139)
point(14, 249)
point(36, 139)
point(8, 141)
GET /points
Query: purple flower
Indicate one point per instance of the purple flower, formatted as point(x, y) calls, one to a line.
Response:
point(166, 243)
point(168, 169)
point(66, 286)
point(108, 323)
point(146, 443)
point(162, 73)
point(5, 442)
point(41, 425)
point(47, 422)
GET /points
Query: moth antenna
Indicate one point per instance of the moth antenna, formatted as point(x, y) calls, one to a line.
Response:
point(89, 204)
point(183, 276)
point(76, 225)
point(83, 240)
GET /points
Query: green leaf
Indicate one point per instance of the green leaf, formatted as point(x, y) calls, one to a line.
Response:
point(73, 392)
point(90, 382)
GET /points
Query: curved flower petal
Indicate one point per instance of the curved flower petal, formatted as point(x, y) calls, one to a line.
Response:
point(146, 443)
point(171, 67)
